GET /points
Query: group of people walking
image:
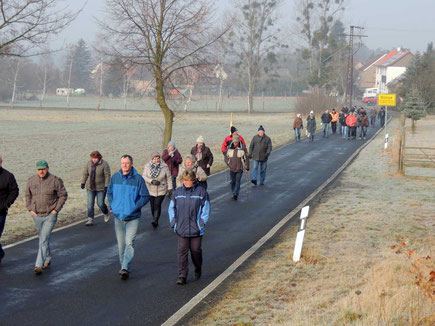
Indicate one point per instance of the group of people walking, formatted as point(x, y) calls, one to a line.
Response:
point(184, 181)
point(350, 121)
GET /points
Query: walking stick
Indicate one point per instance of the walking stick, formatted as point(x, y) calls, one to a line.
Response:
point(247, 185)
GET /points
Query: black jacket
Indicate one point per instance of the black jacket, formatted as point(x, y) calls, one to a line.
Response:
point(326, 118)
point(8, 191)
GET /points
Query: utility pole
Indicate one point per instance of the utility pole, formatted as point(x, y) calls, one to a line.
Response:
point(349, 78)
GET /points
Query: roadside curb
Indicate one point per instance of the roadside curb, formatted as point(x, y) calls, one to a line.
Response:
point(183, 311)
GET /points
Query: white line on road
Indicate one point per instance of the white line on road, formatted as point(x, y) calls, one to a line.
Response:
point(222, 277)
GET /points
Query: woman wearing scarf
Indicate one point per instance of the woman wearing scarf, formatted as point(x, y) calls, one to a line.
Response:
point(96, 177)
point(158, 180)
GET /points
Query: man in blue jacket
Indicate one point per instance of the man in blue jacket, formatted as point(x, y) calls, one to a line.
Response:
point(189, 211)
point(127, 194)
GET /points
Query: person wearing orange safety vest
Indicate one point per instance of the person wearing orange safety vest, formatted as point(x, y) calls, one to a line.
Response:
point(334, 116)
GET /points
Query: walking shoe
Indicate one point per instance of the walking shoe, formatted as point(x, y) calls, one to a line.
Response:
point(154, 224)
point(181, 281)
point(106, 218)
point(197, 273)
point(46, 265)
point(235, 197)
point(90, 221)
point(124, 274)
point(38, 270)
point(254, 182)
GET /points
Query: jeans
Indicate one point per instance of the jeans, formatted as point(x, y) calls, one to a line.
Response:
point(235, 182)
point(101, 195)
point(334, 127)
point(125, 235)
point(351, 132)
point(373, 121)
point(344, 130)
point(363, 132)
point(297, 134)
point(382, 122)
point(2, 226)
point(156, 207)
point(184, 245)
point(325, 129)
point(263, 167)
point(44, 225)
point(311, 136)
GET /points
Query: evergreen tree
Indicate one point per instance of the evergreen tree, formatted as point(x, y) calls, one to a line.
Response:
point(81, 65)
point(413, 106)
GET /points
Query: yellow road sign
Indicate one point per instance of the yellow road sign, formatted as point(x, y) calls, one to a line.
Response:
point(387, 99)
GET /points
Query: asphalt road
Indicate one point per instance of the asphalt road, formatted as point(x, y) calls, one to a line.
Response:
point(82, 287)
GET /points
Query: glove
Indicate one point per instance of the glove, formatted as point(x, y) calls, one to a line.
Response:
point(155, 182)
point(174, 161)
point(247, 170)
point(169, 193)
point(105, 189)
point(82, 186)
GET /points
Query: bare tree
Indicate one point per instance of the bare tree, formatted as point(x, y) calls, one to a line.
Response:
point(71, 61)
point(253, 38)
point(25, 25)
point(161, 35)
point(43, 75)
point(14, 84)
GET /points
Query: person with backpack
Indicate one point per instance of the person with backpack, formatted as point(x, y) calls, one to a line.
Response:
point(311, 126)
point(228, 140)
point(298, 126)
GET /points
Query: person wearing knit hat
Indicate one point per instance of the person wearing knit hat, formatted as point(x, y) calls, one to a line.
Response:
point(228, 140)
point(298, 125)
point(259, 151)
point(236, 158)
point(311, 126)
point(172, 157)
point(158, 180)
point(191, 165)
point(203, 155)
point(95, 178)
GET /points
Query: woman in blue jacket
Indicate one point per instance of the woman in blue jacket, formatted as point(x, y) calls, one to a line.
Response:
point(189, 212)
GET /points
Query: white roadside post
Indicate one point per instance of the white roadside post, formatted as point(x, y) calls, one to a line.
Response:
point(386, 100)
point(300, 236)
point(386, 141)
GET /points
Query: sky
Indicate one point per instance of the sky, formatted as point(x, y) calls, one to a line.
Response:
point(388, 23)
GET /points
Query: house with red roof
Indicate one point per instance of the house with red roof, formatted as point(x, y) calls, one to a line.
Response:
point(391, 67)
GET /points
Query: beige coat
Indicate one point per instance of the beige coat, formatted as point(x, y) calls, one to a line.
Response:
point(102, 175)
point(200, 175)
point(164, 178)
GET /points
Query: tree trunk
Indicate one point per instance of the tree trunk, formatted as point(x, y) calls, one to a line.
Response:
point(44, 88)
point(167, 112)
point(69, 83)
point(14, 90)
point(219, 105)
point(101, 86)
point(189, 98)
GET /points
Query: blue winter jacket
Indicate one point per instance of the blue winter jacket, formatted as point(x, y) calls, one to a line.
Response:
point(189, 211)
point(127, 194)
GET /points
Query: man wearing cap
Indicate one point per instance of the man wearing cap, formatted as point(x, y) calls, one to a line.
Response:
point(45, 197)
point(203, 155)
point(127, 194)
point(8, 194)
point(259, 151)
point(228, 140)
point(236, 158)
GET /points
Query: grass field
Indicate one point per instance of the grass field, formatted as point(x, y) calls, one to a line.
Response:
point(198, 104)
point(368, 256)
point(65, 139)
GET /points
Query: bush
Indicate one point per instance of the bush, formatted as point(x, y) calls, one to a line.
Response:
point(317, 101)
